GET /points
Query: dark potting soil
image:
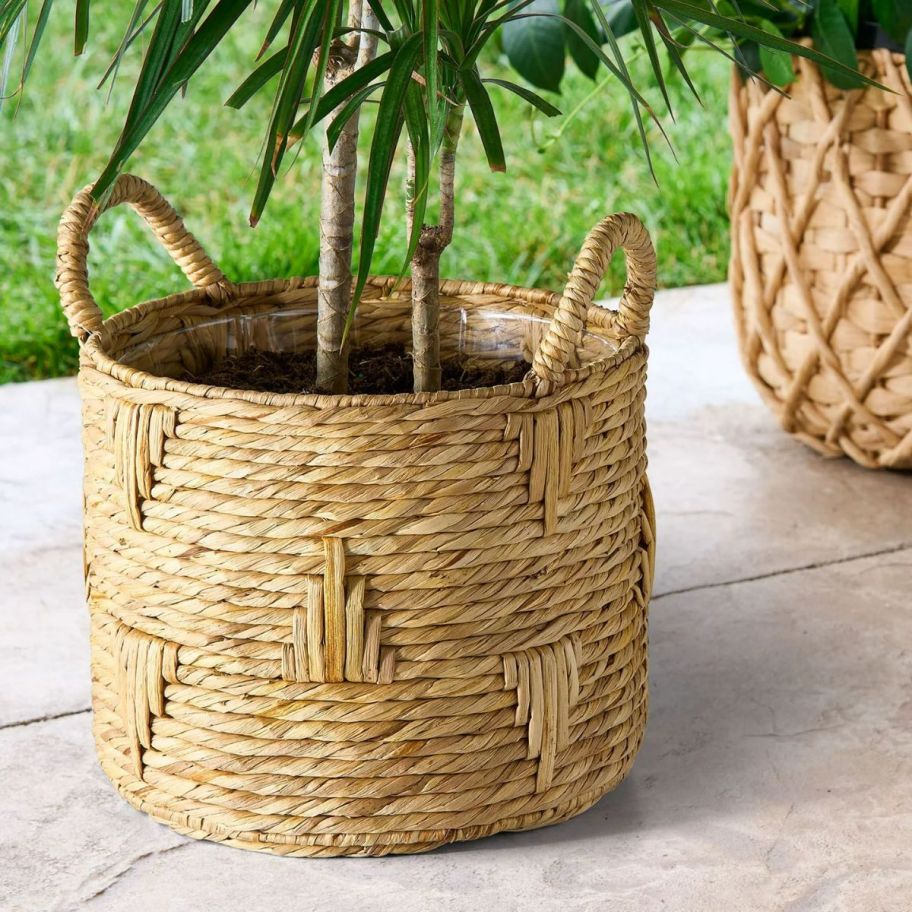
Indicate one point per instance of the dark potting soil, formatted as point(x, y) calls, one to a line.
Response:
point(385, 369)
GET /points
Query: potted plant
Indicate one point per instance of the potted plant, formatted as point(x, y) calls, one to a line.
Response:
point(373, 621)
point(821, 221)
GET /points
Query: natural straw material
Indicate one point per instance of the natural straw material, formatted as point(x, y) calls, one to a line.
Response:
point(821, 268)
point(355, 625)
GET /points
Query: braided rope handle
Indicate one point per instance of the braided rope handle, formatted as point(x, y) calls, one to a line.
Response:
point(565, 334)
point(72, 279)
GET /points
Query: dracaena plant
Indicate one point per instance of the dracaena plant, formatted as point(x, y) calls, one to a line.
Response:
point(421, 62)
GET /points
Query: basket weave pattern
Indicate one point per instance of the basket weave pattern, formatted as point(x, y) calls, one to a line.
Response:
point(343, 625)
point(821, 268)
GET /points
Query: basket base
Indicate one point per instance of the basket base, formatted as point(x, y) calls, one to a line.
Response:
point(313, 845)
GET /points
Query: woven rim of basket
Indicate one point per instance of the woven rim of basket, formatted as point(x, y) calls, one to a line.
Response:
point(597, 318)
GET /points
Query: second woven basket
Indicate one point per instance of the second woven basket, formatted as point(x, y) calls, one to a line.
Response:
point(355, 625)
point(821, 265)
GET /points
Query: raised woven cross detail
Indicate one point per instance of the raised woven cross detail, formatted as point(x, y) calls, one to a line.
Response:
point(333, 638)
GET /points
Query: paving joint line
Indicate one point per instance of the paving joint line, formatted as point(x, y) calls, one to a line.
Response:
point(49, 718)
point(788, 571)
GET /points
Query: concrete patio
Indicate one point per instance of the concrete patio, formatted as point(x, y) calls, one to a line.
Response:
point(777, 768)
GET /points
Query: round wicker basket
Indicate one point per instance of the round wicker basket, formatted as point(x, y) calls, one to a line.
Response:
point(356, 625)
point(821, 267)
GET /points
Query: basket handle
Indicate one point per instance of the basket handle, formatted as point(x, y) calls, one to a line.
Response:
point(565, 334)
point(72, 279)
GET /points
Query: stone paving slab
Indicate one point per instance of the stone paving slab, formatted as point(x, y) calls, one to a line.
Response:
point(777, 768)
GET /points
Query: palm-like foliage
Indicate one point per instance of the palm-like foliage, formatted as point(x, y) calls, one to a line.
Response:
point(428, 66)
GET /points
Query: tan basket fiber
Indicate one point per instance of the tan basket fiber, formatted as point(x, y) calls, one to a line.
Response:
point(821, 268)
point(355, 625)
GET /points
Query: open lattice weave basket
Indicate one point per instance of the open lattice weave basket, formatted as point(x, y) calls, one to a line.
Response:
point(821, 268)
point(338, 625)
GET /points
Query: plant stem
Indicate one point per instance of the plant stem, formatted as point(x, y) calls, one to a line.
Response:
point(434, 239)
point(337, 211)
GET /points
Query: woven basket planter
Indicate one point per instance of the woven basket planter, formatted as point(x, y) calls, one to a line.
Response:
point(356, 625)
point(821, 268)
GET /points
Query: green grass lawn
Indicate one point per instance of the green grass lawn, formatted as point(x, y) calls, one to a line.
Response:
point(523, 227)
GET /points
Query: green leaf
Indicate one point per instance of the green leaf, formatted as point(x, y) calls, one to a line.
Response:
point(777, 65)
point(131, 33)
point(620, 16)
point(388, 129)
point(747, 56)
point(9, 36)
point(202, 43)
point(302, 44)
point(433, 97)
point(674, 53)
point(634, 96)
point(36, 40)
point(537, 101)
point(381, 17)
point(578, 11)
point(419, 136)
point(330, 12)
point(275, 26)
point(158, 58)
point(909, 53)
point(10, 11)
point(483, 112)
point(535, 45)
point(618, 70)
point(831, 34)
point(894, 16)
point(342, 91)
point(346, 112)
point(849, 9)
point(641, 11)
point(267, 70)
point(82, 25)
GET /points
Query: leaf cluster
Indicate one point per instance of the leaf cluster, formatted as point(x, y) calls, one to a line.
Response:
point(838, 28)
point(430, 62)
